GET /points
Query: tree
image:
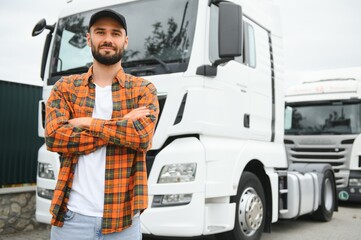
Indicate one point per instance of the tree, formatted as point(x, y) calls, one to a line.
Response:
point(167, 45)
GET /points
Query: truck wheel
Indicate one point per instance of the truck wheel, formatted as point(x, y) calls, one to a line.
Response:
point(250, 210)
point(325, 210)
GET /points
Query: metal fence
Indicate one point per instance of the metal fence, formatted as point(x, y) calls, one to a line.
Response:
point(19, 141)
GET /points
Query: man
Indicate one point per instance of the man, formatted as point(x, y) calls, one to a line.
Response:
point(101, 123)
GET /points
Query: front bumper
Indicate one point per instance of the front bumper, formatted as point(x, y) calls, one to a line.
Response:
point(200, 216)
point(194, 219)
point(42, 213)
point(351, 193)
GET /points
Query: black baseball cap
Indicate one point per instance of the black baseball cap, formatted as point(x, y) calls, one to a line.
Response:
point(111, 14)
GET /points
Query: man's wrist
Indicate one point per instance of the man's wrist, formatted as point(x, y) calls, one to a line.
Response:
point(96, 126)
point(83, 122)
point(87, 122)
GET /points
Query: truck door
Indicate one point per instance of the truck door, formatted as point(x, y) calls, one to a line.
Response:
point(247, 80)
point(258, 59)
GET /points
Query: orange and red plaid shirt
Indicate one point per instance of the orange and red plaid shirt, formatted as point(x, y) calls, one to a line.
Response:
point(126, 143)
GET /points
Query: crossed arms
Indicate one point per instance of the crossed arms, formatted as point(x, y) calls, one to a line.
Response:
point(85, 122)
point(79, 136)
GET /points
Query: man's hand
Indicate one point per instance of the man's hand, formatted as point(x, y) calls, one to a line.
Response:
point(83, 122)
point(137, 113)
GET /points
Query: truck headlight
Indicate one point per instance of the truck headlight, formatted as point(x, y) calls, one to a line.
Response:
point(45, 193)
point(175, 173)
point(355, 182)
point(171, 200)
point(45, 170)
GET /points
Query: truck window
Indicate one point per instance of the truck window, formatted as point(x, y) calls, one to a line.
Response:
point(250, 48)
point(288, 117)
point(160, 39)
point(336, 117)
point(76, 49)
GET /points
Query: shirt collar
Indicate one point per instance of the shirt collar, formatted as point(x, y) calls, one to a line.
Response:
point(88, 77)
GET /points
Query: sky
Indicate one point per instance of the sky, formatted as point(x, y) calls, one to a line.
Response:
point(20, 53)
point(317, 35)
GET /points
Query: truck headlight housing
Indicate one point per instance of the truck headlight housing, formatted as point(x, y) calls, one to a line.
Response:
point(45, 170)
point(355, 182)
point(45, 193)
point(171, 200)
point(176, 173)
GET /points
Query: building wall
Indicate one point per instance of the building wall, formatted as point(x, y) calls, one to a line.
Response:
point(17, 211)
point(19, 141)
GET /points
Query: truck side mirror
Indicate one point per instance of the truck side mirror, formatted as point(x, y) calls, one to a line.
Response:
point(230, 30)
point(39, 27)
point(230, 37)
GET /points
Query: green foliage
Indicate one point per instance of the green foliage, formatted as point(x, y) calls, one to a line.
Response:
point(169, 44)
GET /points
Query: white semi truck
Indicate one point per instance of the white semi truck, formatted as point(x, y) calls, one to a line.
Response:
point(218, 163)
point(323, 125)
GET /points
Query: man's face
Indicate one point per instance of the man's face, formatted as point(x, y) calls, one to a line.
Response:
point(107, 40)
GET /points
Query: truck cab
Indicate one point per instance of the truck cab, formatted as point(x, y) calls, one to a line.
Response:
point(323, 125)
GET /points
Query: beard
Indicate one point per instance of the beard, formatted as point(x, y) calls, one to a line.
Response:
point(107, 59)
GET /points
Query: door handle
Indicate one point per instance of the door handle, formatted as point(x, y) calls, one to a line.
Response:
point(246, 120)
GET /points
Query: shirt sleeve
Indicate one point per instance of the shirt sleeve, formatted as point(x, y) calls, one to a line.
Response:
point(60, 136)
point(135, 134)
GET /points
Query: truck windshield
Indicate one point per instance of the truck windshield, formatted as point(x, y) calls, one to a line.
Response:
point(331, 117)
point(160, 39)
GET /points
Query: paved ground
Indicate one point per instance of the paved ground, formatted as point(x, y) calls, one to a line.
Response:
point(345, 225)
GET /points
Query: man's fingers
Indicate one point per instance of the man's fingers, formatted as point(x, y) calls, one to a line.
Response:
point(138, 113)
point(142, 109)
point(83, 122)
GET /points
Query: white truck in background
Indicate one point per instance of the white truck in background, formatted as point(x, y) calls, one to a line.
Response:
point(218, 163)
point(323, 125)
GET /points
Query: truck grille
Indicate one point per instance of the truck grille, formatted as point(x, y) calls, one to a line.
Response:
point(332, 151)
point(334, 156)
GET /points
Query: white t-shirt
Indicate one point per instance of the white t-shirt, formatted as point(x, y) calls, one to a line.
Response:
point(87, 194)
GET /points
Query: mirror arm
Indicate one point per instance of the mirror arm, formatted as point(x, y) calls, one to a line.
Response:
point(211, 70)
point(50, 27)
point(221, 61)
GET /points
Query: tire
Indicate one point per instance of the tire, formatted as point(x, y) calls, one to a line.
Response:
point(328, 190)
point(250, 210)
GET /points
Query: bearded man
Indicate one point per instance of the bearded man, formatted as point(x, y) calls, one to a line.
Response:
point(101, 123)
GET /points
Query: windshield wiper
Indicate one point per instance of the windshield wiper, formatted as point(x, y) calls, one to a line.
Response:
point(146, 62)
point(332, 133)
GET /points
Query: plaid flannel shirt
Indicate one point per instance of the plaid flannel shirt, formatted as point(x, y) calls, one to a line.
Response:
point(126, 143)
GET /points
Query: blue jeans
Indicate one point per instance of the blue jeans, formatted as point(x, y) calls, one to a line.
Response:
point(80, 227)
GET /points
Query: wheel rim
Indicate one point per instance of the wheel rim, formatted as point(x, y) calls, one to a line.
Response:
point(250, 211)
point(328, 194)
